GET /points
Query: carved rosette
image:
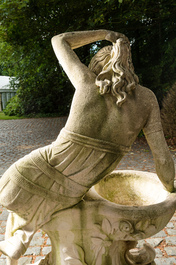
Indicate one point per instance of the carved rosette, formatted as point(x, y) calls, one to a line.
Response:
point(106, 242)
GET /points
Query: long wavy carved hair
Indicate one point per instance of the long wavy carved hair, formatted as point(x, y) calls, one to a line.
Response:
point(117, 75)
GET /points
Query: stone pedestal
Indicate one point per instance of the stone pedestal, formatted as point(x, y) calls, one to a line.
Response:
point(101, 231)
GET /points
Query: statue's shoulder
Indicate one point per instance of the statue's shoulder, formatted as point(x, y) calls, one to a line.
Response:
point(146, 95)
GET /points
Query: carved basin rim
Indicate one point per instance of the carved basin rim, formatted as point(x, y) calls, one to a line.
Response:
point(155, 207)
point(147, 183)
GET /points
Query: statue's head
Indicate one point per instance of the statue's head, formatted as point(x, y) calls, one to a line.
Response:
point(114, 69)
point(100, 59)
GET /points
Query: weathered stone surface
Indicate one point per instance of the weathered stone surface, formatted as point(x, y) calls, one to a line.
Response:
point(154, 242)
point(170, 251)
point(159, 253)
point(24, 261)
point(108, 111)
point(160, 234)
point(33, 251)
point(39, 258)
point(165, 261)
point(171, 232)
point(46, 250)
point(170, 225)
point(37, 241)
point(4, 215)
point(171, 240)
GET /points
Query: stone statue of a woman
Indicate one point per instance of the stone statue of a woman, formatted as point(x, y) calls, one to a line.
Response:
point(108, 111)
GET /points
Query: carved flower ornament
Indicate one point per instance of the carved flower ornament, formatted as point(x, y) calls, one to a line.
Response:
point(126, 226)
point(104, 235)
point(108, 233)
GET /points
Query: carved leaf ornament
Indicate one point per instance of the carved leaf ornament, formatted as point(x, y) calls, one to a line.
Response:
point(74, 255)
point(108, 234)
point(104, 236)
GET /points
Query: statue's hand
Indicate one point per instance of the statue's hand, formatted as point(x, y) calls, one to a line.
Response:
point(113, 36)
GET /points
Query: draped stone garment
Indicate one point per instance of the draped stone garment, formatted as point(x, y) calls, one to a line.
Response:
point(57, 176)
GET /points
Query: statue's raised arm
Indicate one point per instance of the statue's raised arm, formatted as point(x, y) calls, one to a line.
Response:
point(63, 45)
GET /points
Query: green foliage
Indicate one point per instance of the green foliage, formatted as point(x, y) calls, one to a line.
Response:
point(6, 117)
point(168, 113)
point(152, 29)
point(13, 107)
point(25, 48)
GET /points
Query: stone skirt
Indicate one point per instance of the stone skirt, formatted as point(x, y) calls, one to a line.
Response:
point(57, 176)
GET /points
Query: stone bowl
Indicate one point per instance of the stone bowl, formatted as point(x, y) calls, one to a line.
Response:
point(140, 202)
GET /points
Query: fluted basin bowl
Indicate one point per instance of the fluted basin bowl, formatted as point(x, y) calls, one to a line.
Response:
point(134, 188)
point(140, 200)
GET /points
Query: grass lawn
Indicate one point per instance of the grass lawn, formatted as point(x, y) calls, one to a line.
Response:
point(5, 117)
point(39, 115)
